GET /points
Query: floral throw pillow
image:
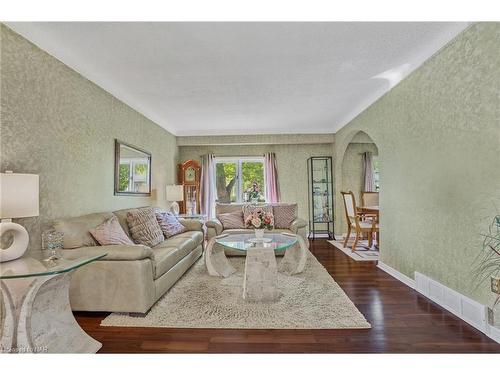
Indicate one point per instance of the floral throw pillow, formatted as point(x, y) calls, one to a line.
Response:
point(110, 232)
point(169, 224)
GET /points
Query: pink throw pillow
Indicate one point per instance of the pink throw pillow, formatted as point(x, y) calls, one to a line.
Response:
point(110, 232)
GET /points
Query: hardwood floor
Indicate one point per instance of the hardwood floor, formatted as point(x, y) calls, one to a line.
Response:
point(402, 320)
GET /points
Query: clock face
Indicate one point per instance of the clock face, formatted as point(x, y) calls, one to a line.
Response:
point(190, 174)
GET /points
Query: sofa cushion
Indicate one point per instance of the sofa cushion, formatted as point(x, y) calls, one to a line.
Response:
point(169, 224)
point(110, 232)
point(196, 236)
point(76, 229)
point(113, 252)
point(232, 220)
point(167, 257)
point(250, 209)
point(284, 215)
point(188, 242)
point(144, 227)
point(224, 208)
point(192, 224)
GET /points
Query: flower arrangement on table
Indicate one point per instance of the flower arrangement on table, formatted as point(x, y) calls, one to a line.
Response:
point(260, 220)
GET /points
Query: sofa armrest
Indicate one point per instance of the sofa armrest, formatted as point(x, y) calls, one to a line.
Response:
point(215, 224)
point(298, 224)
point(192, 224)
point(114, 252)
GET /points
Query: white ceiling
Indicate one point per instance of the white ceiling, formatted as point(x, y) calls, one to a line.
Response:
point(243, 78)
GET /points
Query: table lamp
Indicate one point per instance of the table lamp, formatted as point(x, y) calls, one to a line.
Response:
point(18, 198)
point(174, 194)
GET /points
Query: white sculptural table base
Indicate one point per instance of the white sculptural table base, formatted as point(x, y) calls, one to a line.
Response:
point(216, 261)
point(38, 317)
point(260, 278)
point(261, 275)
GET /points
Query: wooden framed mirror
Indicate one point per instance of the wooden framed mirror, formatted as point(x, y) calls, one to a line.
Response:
point(132, 170)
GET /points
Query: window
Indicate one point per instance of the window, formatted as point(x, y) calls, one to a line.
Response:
point(133, 174)
point(239, 180)
point(376, 173)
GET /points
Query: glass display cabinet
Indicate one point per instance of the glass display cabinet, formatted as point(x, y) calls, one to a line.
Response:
point(320, 177)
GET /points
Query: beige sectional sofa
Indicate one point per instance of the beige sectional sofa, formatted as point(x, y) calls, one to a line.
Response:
point(131, 278)
point(214, 227)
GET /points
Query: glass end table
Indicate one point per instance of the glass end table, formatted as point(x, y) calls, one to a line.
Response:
point(38, 316)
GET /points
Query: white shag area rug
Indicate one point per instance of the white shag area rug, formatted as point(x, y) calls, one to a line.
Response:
point(361, 254)
point(309, 300)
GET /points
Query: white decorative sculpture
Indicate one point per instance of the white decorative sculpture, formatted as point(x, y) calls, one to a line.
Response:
point(18, 198)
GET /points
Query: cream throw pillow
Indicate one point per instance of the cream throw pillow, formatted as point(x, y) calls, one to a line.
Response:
point(232, 220)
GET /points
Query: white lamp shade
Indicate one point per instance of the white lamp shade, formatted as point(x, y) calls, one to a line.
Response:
point(175, 193)
point(18, 195)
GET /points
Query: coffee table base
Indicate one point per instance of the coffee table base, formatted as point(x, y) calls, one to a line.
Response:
point(261, 276)
point(216, 261)
point(293, 262)
point(295, 258)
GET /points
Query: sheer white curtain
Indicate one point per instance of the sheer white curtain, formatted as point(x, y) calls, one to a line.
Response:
point(207, 186)
point(368, 180)
point(272, 185)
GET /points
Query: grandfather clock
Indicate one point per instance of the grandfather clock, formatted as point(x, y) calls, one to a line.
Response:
point(189, 178)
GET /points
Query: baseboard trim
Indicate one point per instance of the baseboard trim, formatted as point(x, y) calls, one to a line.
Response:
point(396, 274)
point(464, 308)
point(493, 333)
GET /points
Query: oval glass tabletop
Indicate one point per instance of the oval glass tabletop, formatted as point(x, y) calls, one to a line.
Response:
point(242, 242)
point(38, 264)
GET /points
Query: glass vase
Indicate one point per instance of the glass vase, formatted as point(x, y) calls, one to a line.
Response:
point(259, 234)
point(52, 241)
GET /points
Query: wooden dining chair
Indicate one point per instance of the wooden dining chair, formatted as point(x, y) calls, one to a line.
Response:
point(368, 199)
point(355, 222)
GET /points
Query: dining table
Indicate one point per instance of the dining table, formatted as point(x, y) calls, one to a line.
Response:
point(369, 210)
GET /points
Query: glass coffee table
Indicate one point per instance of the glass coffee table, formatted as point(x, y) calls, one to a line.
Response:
point(260, 264)
point(38, 316)
point(245, 241)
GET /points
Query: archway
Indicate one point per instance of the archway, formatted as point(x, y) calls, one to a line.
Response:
point(351, 172)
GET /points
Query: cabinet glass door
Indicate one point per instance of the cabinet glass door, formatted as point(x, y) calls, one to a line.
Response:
point(321, 196)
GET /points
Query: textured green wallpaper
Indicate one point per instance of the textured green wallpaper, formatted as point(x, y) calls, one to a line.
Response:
point(438, 136)
point(291, 164)
point(56, 123)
